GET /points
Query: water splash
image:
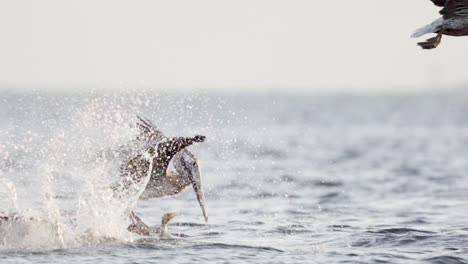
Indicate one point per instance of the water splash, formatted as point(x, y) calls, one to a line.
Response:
point(59, 154)
point(65, 198)
point(8, 196)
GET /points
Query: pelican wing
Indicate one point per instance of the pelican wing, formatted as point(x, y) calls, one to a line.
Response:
point(149, 130)
point(439, 2)
point(454, 8)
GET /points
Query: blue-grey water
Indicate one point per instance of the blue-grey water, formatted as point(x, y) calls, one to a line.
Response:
point(288, 179)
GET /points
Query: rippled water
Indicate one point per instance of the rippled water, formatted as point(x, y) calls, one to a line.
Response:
point(332, 179)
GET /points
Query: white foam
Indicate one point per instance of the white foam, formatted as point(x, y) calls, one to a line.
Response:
point(64, 197)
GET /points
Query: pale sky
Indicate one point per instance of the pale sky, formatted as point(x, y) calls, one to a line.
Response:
point(239, 45)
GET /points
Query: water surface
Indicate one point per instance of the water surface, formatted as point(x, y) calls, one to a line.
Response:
point(288, 179)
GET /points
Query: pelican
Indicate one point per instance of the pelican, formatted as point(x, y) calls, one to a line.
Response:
point(454, 22)
point(162, 182)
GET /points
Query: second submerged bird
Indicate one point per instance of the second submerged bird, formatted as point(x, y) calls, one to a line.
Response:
point(163, 232)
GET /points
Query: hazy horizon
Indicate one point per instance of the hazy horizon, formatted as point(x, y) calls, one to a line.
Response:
point(217, 46)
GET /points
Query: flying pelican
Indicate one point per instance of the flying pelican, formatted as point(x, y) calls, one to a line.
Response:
point(162, 182)
point(454, 22)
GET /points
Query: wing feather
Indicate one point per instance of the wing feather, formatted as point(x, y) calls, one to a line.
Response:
point(455, 8)
point(148, 129)
point(439, 2)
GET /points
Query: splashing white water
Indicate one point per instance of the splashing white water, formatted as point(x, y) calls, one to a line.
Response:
point(8, 197)
point(58, 154)
point(66, 199)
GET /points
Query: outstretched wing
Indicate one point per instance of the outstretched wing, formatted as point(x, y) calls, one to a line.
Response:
point(454, 8)
point(149, 130)
point(439, 2)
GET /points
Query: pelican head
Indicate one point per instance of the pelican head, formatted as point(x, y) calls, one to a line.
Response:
point(187, 167)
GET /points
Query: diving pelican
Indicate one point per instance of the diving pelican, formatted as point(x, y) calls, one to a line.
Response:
point(162, 182)
point(454, 22)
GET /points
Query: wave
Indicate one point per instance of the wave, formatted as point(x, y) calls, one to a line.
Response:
point(447, 260)
point(234, 246)
point(400, 231)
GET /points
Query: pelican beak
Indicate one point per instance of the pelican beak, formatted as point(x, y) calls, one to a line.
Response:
point(196, 181)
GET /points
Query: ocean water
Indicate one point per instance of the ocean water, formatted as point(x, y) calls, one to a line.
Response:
point(288, 179)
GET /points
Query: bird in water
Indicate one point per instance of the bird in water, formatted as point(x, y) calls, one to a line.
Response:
point(163, 231)
point(454, 22)
point(152, 149)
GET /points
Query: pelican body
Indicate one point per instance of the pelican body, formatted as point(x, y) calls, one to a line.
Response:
point(454, 22)
point(152, 146)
